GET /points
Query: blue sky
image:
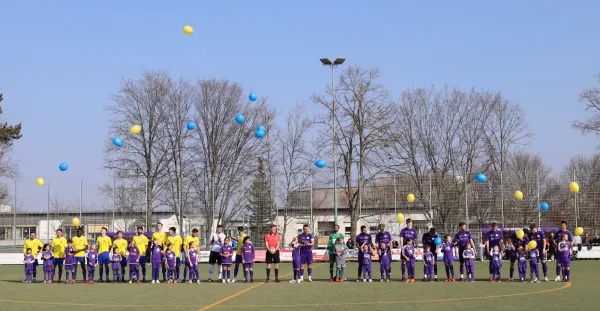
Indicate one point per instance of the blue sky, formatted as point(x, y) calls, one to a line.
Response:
point(61, 60)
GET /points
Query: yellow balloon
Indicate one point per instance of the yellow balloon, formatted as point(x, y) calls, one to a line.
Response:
point(136, 129)
point(75, 222)
point(39, 181)
point(188, 30)
point(400, 218)
point(574, 186)
point(520, 233)
point(532, 244)
point(578, 231)
point(518, 196)
point(410, 198)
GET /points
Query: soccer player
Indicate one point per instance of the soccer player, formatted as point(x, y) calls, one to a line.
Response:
point(248, 256)
point(192, 257)
point(92, 262)
point(362, 239)
point(407, 233)
point(238, 253)
point(47, 257)
point(408, 253)
point(58, 250)
point(493, 238)
point(331, 249)
point(141, 242)
point(522, 257)
point(116, 266)
point(69, 261)
point(28, 261)
point(496, 258)
point(385, 259)
point(186, 247)
point(449, 251)
point(558, 237)
point(272, 241)
point(565, 251)
point(134, 262)
point(462, 238)
point(170, 263)
point(340, 259)
point(516, 242)
point(540, 238)
point(121, 244)
point(104, 243)
point(215, 242)
point(157, 260)
point(295, 259)
point(384, 239)
point(366, 263)
point(306, 258)
point(469, 256)
point(226, 260)
point(175, 240)
point(161, 237)
point(428, 261)
point(533, 255)
point(81, 245)
point(35, 245)
point(428, 239)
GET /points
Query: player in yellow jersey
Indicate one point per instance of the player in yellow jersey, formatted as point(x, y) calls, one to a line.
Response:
point(141, 242)
point(58, 251)
point(238, 253)
point(104, 242)
point(186, 246)
point(81, 245)
point(35, 245)
point(176, 241)
point(121, 244)
point(161, 237)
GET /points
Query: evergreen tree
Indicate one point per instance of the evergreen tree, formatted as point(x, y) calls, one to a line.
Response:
point(261, 204)
point(8, 133)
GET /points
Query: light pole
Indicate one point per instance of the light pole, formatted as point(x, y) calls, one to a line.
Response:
point(335, 63)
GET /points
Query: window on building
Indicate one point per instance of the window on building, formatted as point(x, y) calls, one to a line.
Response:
point(69, 231)
point(325, 228)
point(5, 233)
point(348, 232)
point(26, 231)
point(373, 229)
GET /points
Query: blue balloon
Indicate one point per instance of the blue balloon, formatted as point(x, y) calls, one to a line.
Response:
point(117, 141)
point(63, 166)
point(320, 163)
point(239, 118)
point(259, 134)
point(438, 241)
point(481, 178)
point(191, 126)
point(544, 206)
point(252, 97)
point(261, 128)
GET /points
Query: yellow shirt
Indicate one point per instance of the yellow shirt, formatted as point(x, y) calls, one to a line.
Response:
point(122, 245)
point(161, 237)
point(33, 244)
point(80, 243)
point(104, 244)
point(186, 243)
point(58, 247)
point(141, 242)
point(176, 242)
point(240, 244)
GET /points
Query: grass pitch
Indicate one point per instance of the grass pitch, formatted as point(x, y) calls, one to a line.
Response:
point(581, 294)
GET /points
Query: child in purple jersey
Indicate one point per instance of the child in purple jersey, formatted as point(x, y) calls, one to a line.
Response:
point(448, 252)
point(115, 259)
point(193, 259)
point(384, 262)
point(69, 262)
point(540, 238)
point(522, 257)
point(496, 258)
point(170, 264)
point(533, 256)
point(295, 259)
point(366, 263)
point(564, 252)
point(133, 260)
point(558, 237)
point(92, 262)
point(47, 257)
point(469, 256)
point(408, 253)
point(248, 259)
point(28, 261)
point(156, 258)
point(306, 240)
point(226, 260)
point(428, 260)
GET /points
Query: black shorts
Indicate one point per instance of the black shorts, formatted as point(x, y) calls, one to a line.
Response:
point(214, 257)
point(272, 258)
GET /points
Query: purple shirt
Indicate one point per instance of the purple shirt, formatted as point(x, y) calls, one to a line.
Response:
point(522, 256)
point(116, 261)
point(134, 254)
point(448, 250)
point(566, 253)
point(462, 238)
point(295, 252)
point(193, 257)
point(469, 261)
point(69, 255)
point(171, 259)
point(408, 233)
point(367, 258)
point(558, 236)
point(47, 257)
point(518, 242)
point(28, 258)
point(156, 256)
point(384, 255)
point(362, 238)
point(92, 258)
point(383, 237)
point(409, 252)
point(493, 238)
point(429, 259)
point(538, 237)
point(226, 250)
point(248, 253)
point(533, 255)
point(497, 258)
point(305, 238)
point(429, 240)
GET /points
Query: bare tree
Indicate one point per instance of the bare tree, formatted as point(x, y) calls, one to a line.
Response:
point(591, 98)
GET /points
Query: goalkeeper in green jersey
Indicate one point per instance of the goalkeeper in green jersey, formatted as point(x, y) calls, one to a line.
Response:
point(331, 249)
